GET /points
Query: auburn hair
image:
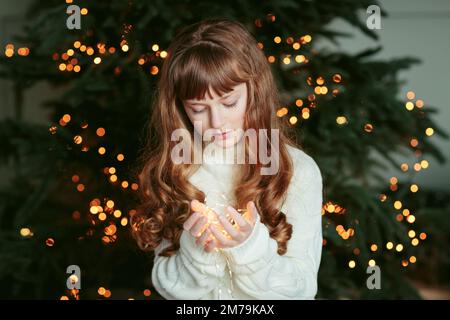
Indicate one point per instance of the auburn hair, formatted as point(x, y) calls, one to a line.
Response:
point(215, 53)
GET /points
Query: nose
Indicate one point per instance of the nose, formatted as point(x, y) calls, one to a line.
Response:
point(216, 118)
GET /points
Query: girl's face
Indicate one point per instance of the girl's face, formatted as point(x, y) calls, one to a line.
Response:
point(221, 117)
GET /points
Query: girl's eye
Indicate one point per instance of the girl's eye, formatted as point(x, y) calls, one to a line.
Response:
point(231, 105)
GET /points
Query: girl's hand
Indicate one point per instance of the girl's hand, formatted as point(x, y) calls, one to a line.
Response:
point(240, 233)
point(197, 225)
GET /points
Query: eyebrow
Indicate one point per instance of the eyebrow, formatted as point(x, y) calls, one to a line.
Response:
point(204, 104)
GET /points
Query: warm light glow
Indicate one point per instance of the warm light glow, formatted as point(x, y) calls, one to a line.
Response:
point(84, 11)
point(77, 139)
point(94, 209)
point(90, 51)
point(282, 112)
point(125, 48)
point(113, 178)
point(414, 142)
point(409, 106)
point(300, 58)
point(101, 150)
point(120, 157)
point(163, 54)
point(50, 242)
point(411, 233)
point(341, 120)
point(101, 291)
point(100, 132)
point(393, 180)
point(110, 204)
point(337, 78)
point(372, 262)
point(389, 245)
point(397, 205)
point(399, 247)
point(412, 259)
point(351, 264)
point(410, 95)
point(277, 39)
point(414, 188)
point(429, 132)
point(80, 187)
point(102, 216)
point(97, 60)
point(406, 212)
point(423, 236)
point(124, 184)
point(373, 247)
point(25, 232)
point(293, 120)
point(271, 59)
point(117, 213)
point(147, 292)
point(368, 127)
point(154, 70)
point(411, 218)
point(419, 103)
point(124, 221)
point(415, 242)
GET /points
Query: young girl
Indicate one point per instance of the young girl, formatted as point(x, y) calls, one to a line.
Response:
point(265, 241)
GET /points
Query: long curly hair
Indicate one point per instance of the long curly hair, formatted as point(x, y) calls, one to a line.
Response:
point(215, 53)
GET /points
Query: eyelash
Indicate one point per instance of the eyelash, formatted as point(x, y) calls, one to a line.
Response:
point(226, 105)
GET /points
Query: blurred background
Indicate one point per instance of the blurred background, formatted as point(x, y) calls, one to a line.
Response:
point(370, 105)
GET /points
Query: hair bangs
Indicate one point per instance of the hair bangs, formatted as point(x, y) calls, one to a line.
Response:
point(205, 67)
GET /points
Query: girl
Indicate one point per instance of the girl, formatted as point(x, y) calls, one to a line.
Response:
point(267, 242)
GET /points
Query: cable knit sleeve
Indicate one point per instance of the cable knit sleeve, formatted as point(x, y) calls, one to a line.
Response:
point(191, 273)
point(257, 268)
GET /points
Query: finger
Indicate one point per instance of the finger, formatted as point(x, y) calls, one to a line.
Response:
point(251, 208)
point(212, 245)
point(187, 225)
point(198, 206)
point(224, 241)
point(229, 228)
point(201, 241)
point(199, 227)
point(242, 223)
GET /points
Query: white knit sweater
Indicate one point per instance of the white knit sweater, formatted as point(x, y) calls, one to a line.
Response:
point(253, 269)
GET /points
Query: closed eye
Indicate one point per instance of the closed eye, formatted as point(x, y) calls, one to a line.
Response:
point(231, 105)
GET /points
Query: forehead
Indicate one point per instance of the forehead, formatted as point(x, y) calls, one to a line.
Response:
point(214, 96)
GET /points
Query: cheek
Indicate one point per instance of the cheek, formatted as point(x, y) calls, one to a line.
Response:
point(239, 114)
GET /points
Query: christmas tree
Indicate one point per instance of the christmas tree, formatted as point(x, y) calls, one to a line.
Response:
point(73, 183)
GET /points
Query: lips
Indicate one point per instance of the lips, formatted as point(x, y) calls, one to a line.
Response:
point(223, 135)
